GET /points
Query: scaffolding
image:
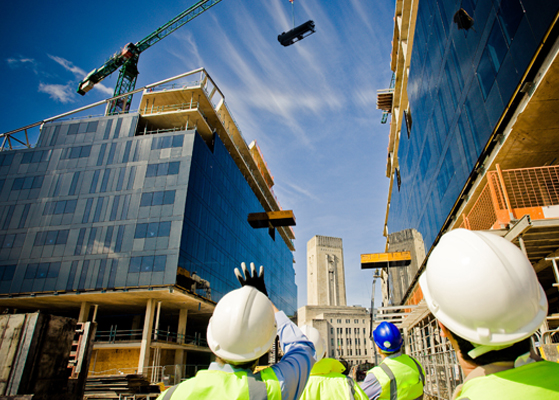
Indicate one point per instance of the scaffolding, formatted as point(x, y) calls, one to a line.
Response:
point(442, 370)
point(510, 194)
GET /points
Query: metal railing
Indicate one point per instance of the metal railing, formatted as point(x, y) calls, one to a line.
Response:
point(171, 107)
point(551, 336)
point(168, 374)
point(510, 194)
point(114, 335)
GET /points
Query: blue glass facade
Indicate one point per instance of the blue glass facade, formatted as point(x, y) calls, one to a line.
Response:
point(95, 207)
point(460, 82)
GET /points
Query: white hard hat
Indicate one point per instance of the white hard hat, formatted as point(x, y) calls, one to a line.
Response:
point(243, 326)
point(483, 288)
point(314, 336)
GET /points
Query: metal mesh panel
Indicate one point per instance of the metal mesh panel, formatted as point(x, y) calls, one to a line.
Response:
point(435, 353)
point(532, 187)
point(482, 215)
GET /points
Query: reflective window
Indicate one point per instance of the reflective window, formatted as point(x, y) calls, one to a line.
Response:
point(157, 198)
point(152, 229)
point(60, 207)
point(29, 182)
point(7, 272)
point(49, 238)
point(161, 169)
point(42, 270)
point(147, 264)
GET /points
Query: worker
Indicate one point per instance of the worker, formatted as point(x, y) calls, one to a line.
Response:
point(398, 376)
point(327, 380)
point(241, 330)
point(488, 302)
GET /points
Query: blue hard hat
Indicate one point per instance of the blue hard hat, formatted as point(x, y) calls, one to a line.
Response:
point(387, 337)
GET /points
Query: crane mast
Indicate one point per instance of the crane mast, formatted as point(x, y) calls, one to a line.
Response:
point(127, 59)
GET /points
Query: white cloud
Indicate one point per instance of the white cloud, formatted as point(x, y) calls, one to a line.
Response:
point(61, 93)
point(68, 66)
point(21, 61)
point(104, 89)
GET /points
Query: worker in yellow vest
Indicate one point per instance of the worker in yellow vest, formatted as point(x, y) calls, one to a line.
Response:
point(488, 302)
point(327, 381)
point(399, 376)
point(243, 328)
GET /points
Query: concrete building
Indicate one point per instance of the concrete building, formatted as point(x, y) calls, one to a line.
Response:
point(137, 221)
point(472, 144)
point(325, 272)
point(346, 330)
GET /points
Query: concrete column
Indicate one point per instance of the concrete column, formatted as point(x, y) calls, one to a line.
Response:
point(181, 329)
point(143, 362)
point(179, 354)
point(84, 312)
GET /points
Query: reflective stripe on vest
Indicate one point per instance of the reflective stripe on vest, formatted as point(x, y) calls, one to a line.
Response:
point(410, 379)
point(538, 380)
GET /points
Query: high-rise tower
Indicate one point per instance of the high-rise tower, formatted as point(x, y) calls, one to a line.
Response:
point(325, 272)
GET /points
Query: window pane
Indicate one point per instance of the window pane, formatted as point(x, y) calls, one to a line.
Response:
point(54, 268)
point(42, 270)
point(50, 238)
point(147, 263)
point(162, 169)
point(151, 170)
point(157, 199)
point(152, 229)
point(169, 197)
point(75, 152)
point(27, 183)
point(70, 206)
point(40, 238)
point(178, 140)
point(73, 129)
point(85, 151)
point(9, 272)
point(37, 182)
point(59, 207)
point(18, 183)
point(165, 142)
point(141, 230)
point(31, 271)
point(159, 263)
point(62, 236)
point(164, 229)
point(174, 167)
point(146, 199)
point(135, 263)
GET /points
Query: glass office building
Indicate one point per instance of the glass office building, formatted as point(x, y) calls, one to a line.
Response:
point(459, 85)
point(121, 202)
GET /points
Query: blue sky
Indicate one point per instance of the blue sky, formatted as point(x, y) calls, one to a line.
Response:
point(311, 106)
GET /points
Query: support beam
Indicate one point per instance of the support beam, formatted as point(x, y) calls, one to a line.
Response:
point(181, 328)
point(143, 362)
point(84, 312)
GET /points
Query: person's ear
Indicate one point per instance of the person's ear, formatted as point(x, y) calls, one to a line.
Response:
point(444, 330)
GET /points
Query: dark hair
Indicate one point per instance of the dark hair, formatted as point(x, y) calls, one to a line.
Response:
point(246, 365)
point(507, 354)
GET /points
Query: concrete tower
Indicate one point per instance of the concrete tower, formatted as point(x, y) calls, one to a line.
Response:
point(325, 272)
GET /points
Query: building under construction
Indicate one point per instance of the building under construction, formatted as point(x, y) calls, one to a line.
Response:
point(472, 144)
point(136, 221)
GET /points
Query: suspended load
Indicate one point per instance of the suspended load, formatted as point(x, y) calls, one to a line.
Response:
point(297, 33)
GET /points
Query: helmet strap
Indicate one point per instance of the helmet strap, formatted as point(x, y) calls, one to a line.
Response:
point(481, 349)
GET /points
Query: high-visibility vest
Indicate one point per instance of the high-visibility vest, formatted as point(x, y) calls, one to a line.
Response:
point(538, 380)
point(327, 382)
point(401, 378)
point(215, 384)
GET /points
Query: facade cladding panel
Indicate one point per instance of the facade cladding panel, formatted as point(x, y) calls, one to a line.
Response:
point(95, 207)
point(459, 84)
